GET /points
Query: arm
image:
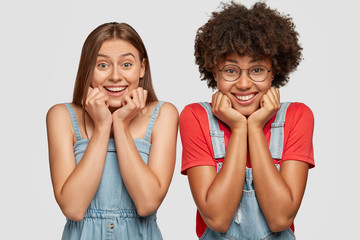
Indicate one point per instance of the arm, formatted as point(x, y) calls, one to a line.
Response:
point(74, 186)
point(147, 184)
point(217, 196)
point(279, 193)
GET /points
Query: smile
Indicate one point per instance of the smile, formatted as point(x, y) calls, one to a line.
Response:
point(115, 89)
point(245, 98)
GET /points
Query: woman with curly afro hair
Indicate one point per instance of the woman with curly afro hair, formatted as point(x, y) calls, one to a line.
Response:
point(246, 154)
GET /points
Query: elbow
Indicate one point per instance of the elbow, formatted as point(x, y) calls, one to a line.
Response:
point(280, 224)
point(218, 224)
point(146, 209)
point(73, 214)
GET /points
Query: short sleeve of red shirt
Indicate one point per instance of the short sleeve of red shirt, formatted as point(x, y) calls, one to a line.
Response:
point(195, 138)
point(298, 134)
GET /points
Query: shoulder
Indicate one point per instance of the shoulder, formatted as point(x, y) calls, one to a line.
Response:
point(169, 109)
point(57, 111)
point(194, 121)
point(193, 110)
point(297, 111)
point(167, 113)
point(61, 111)
point(193, 107)
point(58, 120)
point(167, 119)
point(299, 108)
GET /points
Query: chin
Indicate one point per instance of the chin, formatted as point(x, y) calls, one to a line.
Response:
point(246, 111)
point(115, 102)
point(114, 106)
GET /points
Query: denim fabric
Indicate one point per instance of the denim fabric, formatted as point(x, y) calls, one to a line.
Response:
point(112, 213)
point(217, 136)
point(249, 221)
point(277, 132)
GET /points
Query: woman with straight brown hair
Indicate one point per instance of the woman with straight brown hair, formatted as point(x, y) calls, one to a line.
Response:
point(112, 150)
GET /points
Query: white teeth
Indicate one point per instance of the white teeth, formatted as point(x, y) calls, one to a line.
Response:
point(115, 89)
point(245, 98)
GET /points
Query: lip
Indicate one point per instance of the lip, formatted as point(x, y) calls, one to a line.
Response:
point(115, 91)
point(245, 99)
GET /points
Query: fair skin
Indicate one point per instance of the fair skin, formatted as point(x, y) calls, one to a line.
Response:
point(115, 107)
point(246, 106)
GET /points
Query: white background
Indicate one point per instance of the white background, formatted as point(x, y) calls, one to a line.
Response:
point(40, 45)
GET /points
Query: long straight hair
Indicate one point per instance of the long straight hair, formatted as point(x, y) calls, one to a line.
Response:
point(91, 47)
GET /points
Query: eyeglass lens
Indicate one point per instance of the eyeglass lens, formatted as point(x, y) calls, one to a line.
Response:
point(256, 73)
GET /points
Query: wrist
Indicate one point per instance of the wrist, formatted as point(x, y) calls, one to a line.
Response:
point(240, 129)
point(119, 124)
point(102, 129)
point(255, 128)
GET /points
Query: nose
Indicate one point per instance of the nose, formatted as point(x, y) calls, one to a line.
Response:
point(244, 81)
point(115, 74)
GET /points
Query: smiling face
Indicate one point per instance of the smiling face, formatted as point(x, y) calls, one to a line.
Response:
point(244, 93)
point(118, 70)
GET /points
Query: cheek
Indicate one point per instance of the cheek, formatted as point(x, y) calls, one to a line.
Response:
point(222, 86)
point(98, 79)
point(265, 86)
point(95, 83)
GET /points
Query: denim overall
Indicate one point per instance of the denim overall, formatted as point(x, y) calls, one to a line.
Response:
point(249, 221)
point(112, 213)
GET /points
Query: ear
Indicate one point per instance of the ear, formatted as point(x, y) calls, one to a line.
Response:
point(143, 68)
point(214, 75)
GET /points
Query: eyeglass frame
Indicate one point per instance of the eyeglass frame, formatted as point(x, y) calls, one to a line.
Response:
point(241, 70)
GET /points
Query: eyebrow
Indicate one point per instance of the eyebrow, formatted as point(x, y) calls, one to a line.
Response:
point(122, 55)
point(234, 60)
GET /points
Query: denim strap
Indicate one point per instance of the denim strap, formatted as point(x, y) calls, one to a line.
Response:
point(74, 121)
point(152, 120)
point(277, 132)
point(217, 136)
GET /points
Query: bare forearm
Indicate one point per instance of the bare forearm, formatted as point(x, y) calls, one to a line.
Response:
point(141, 182)
point(272, 192)
point(224, 194)
point(81, 186)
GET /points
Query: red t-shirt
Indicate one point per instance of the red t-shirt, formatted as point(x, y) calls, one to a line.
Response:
point(198, 151)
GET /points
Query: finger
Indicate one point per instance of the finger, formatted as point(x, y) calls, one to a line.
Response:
point(140, 93)
point(274, 97)
point(97, 95)
point(216, 100)
point(89, 90)
point(87, 94)
point(263, 101)
point(271, 97)
point(128, 102)
point(101, 99)
point(225, 102)
point(277, 95)
point(268, 102)
point(135, 97)
point(145, 97)
point(91, 94)
point(142, 98)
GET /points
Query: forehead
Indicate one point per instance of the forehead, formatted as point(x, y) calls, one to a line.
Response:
point(117, 47)
point(245, 59)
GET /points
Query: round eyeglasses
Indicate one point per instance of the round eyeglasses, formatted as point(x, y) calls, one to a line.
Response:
point(257, 73)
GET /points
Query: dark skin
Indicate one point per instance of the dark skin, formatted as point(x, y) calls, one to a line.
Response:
point(279, 193)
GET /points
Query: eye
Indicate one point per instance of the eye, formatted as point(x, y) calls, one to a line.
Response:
point(127, 65)
point(102, 65)
point(231, 70)
point(258, 70)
